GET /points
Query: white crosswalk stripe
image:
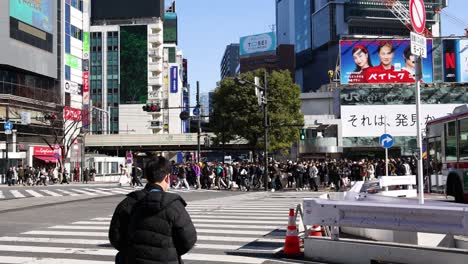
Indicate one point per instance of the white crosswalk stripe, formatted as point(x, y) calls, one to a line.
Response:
point(17, 194)
point(1, 195)
point(51, 193)
point(225, 235)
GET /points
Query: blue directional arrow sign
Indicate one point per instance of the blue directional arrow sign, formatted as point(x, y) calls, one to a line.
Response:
point(196, 111)
point(386, 141)
point(8, 125)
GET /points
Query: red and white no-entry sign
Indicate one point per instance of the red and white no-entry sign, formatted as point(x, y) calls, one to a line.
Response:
point(418, 15)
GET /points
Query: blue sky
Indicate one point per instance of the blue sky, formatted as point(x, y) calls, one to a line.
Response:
point(207, 26)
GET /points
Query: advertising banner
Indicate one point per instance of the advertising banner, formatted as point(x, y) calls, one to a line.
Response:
point(174, 79)
point(72, 114)
point(455, 60)
point(397, 120)
point(381, 61)
point(37, 13)
point(43, 151)
point(257, 44)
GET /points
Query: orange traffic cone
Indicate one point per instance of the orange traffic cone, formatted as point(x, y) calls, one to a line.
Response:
point(315, 231)
point(291, 244)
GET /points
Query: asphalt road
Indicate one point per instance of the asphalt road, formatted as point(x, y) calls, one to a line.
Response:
point(233, 227)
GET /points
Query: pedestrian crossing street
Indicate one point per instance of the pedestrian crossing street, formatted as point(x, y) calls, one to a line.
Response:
point(25, 192)
point(246, 228)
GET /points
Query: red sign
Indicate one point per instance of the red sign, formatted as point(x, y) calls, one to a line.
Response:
point(72, 114)
point(43, 151)
point(418, 15)
point(85, 82)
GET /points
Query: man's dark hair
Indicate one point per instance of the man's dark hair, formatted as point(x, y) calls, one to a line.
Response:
point(407, 52)
point(386, 44)
point(156, 169)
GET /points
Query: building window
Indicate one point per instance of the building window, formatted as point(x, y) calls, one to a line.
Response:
point(463, 124)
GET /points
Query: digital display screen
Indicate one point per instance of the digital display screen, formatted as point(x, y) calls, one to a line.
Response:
point(37, 13)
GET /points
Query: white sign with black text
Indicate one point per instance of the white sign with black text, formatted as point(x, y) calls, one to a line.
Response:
point(72, 88)
point(418, 45)
point(369, 120)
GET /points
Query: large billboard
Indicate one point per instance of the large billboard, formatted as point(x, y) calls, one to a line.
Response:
point(255, 44)
point(381, 61)
point(170, 28)
point(125, 9)
point(397, 120)
point(455, 60)
point(37, 13)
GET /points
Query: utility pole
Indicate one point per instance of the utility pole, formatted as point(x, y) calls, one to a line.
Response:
point(6, 139)
point(418, 77)
point(198, 122)
point(265, 124)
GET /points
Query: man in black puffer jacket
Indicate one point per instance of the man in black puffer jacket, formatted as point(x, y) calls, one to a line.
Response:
point(151, 226)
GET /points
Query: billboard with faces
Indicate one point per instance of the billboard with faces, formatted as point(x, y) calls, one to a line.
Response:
point(381, 61)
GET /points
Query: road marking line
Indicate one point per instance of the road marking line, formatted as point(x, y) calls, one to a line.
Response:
point(238, 239)
point(188, 257)
point(66, 233)
point(83, 192)
point(96, 191)
point(73, 227)
point(232, 232)
point(67, 192)
point(268, 227)
point(54, 240)
point(38, 260)
point(285, 218)
point(90, 223)
point(51, 193)
point(113, 190)
point(224, 258)
point(214, 213)
point(17, 194)
point(1, 195)
point(34, 193)
point(102, 219)
point(240, 221)
point(59, 250)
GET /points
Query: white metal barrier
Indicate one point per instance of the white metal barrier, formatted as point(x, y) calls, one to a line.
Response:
point(401, 215)
point(407, 181)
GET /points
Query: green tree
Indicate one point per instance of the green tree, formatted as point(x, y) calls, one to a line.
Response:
point(236, 113)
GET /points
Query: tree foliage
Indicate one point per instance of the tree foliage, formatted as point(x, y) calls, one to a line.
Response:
point(236, 113)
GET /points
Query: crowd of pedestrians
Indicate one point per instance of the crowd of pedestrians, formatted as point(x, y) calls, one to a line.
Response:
point(300, 175)
point(44, 175)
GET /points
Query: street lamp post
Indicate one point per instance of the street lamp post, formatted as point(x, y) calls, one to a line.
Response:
point(264, 103)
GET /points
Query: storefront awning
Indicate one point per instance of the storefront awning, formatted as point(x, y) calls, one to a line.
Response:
point(46, 158)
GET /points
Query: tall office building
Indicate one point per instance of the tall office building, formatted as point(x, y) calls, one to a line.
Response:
point(42, 74)
point(230, 61)
point(319, 25)
point(135, 61)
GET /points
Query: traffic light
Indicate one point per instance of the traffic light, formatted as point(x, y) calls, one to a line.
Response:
point(151, 108)
point(303, 134)
point(50, 117)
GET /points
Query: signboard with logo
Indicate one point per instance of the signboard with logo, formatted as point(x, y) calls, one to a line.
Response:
point(381, 61)
point(72, 88)
point(174, 79)
point(43, 151)
point(72, 114)
point(398, 120)
point(260, 43)
point(455, 60)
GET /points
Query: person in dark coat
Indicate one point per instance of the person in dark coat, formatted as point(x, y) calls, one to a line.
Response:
point(152, 226)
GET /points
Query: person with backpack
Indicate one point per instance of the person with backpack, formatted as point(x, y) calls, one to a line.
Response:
point(152, 225)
